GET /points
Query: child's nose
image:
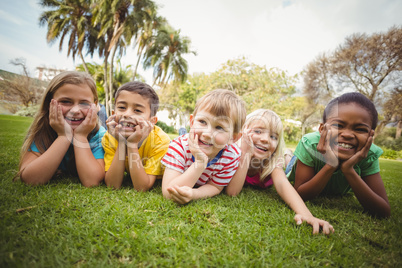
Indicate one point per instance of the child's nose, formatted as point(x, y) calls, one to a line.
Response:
point(347, 133)
point(75, 109)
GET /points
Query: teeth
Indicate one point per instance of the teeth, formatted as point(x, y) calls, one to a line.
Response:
point(261, 148)
point(73, 119)
point(344, 145)
point(126, 124)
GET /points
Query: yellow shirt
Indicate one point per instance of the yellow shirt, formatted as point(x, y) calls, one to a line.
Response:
point(151, 151)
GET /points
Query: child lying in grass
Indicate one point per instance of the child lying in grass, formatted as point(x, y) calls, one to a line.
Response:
point(261, 165)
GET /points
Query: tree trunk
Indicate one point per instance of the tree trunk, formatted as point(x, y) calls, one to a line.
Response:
point(111, 76)
point(84, 63)
point(105, 85)
point(138, 62)
point(398, 129)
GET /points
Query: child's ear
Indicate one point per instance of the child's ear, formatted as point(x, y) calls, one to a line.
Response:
point(236, 137)
point(191, 120)
point(154, 119)
point(320, 128)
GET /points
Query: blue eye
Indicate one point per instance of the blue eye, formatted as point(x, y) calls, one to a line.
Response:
point(274, 137)
point(257, 131)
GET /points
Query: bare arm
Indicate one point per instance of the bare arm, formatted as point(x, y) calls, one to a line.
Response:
point(184, 194)
point(115, 174)
point(292, 198)
point(91, 171)
point(307, 183)
point(236, 183)
point(33, 163)
point(175, 178)
point(141, 180)
point(370, 192)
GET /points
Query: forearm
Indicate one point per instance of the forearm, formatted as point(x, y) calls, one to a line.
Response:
point(141, 180)
point(90, 172)
point(288, 193)
point(371, 201)
point(205, 191)
point(115, 174)
point(42, 168)
point(236, 183)
point(313, 187)
point(188, 178)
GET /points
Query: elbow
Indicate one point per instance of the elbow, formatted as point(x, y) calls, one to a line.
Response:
point(231, 192)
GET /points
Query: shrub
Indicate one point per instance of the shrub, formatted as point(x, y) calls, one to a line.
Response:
point(165, 127)
point(29, 111)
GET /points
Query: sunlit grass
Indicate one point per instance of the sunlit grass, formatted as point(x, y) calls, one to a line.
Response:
point(65, 224)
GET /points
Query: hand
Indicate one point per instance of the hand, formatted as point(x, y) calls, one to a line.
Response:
point(360, 155)
point(195, 149)
point(57, 121)
point(324, 147)
point(111, 124)
point(181, 194)
point(315, 223)
point(141, 132)
point(247, 144)
point(88, 124)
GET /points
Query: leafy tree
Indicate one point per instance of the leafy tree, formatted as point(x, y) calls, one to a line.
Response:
point(68, 19)
point(366, 63)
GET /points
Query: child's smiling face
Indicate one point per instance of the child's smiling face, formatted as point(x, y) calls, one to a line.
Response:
point(350, 126)
point(265, 140)
point(75, 101)
point(130, 107)
point(213, 132)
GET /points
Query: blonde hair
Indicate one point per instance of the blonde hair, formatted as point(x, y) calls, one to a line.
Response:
point(223, 102)
point(272, 122)
point(40, 130)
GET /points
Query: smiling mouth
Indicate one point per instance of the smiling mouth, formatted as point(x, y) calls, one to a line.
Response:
point(205, 143)
point(261, 148)
point(127, 124)
point(344, 145)
point(74, 120)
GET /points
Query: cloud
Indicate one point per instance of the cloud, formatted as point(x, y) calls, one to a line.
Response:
point(10, 18)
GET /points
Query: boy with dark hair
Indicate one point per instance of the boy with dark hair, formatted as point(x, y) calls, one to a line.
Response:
point(133, 143)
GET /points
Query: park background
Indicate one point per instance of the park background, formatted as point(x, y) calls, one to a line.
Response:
point(288, 56)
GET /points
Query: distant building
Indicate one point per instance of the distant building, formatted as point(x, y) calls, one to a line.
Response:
point(47, 74)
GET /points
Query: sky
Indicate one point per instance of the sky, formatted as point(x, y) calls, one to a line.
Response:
point(286, 34)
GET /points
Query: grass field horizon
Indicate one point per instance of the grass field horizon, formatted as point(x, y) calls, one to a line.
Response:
point(63, 224)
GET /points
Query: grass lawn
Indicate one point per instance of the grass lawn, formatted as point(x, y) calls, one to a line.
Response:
point(65, 224)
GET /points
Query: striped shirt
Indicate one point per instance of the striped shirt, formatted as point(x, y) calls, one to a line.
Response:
point(219, 171)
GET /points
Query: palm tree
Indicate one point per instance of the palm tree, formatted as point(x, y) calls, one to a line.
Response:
point(68, 19)
point(165, 55)
point(121, 20)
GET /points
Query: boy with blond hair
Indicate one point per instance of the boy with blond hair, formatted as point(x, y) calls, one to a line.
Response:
point(133, 143)
point(201, 163)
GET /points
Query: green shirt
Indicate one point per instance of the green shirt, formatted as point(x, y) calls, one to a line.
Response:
point(306, 152)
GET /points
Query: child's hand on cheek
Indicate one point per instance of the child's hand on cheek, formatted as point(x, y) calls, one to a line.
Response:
point(112, 126)
point(247, 144)
point(360, 155)
point(88, 124)
point(57, 121)
point(195, 149)
point(142, 130)
point(324, 147)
